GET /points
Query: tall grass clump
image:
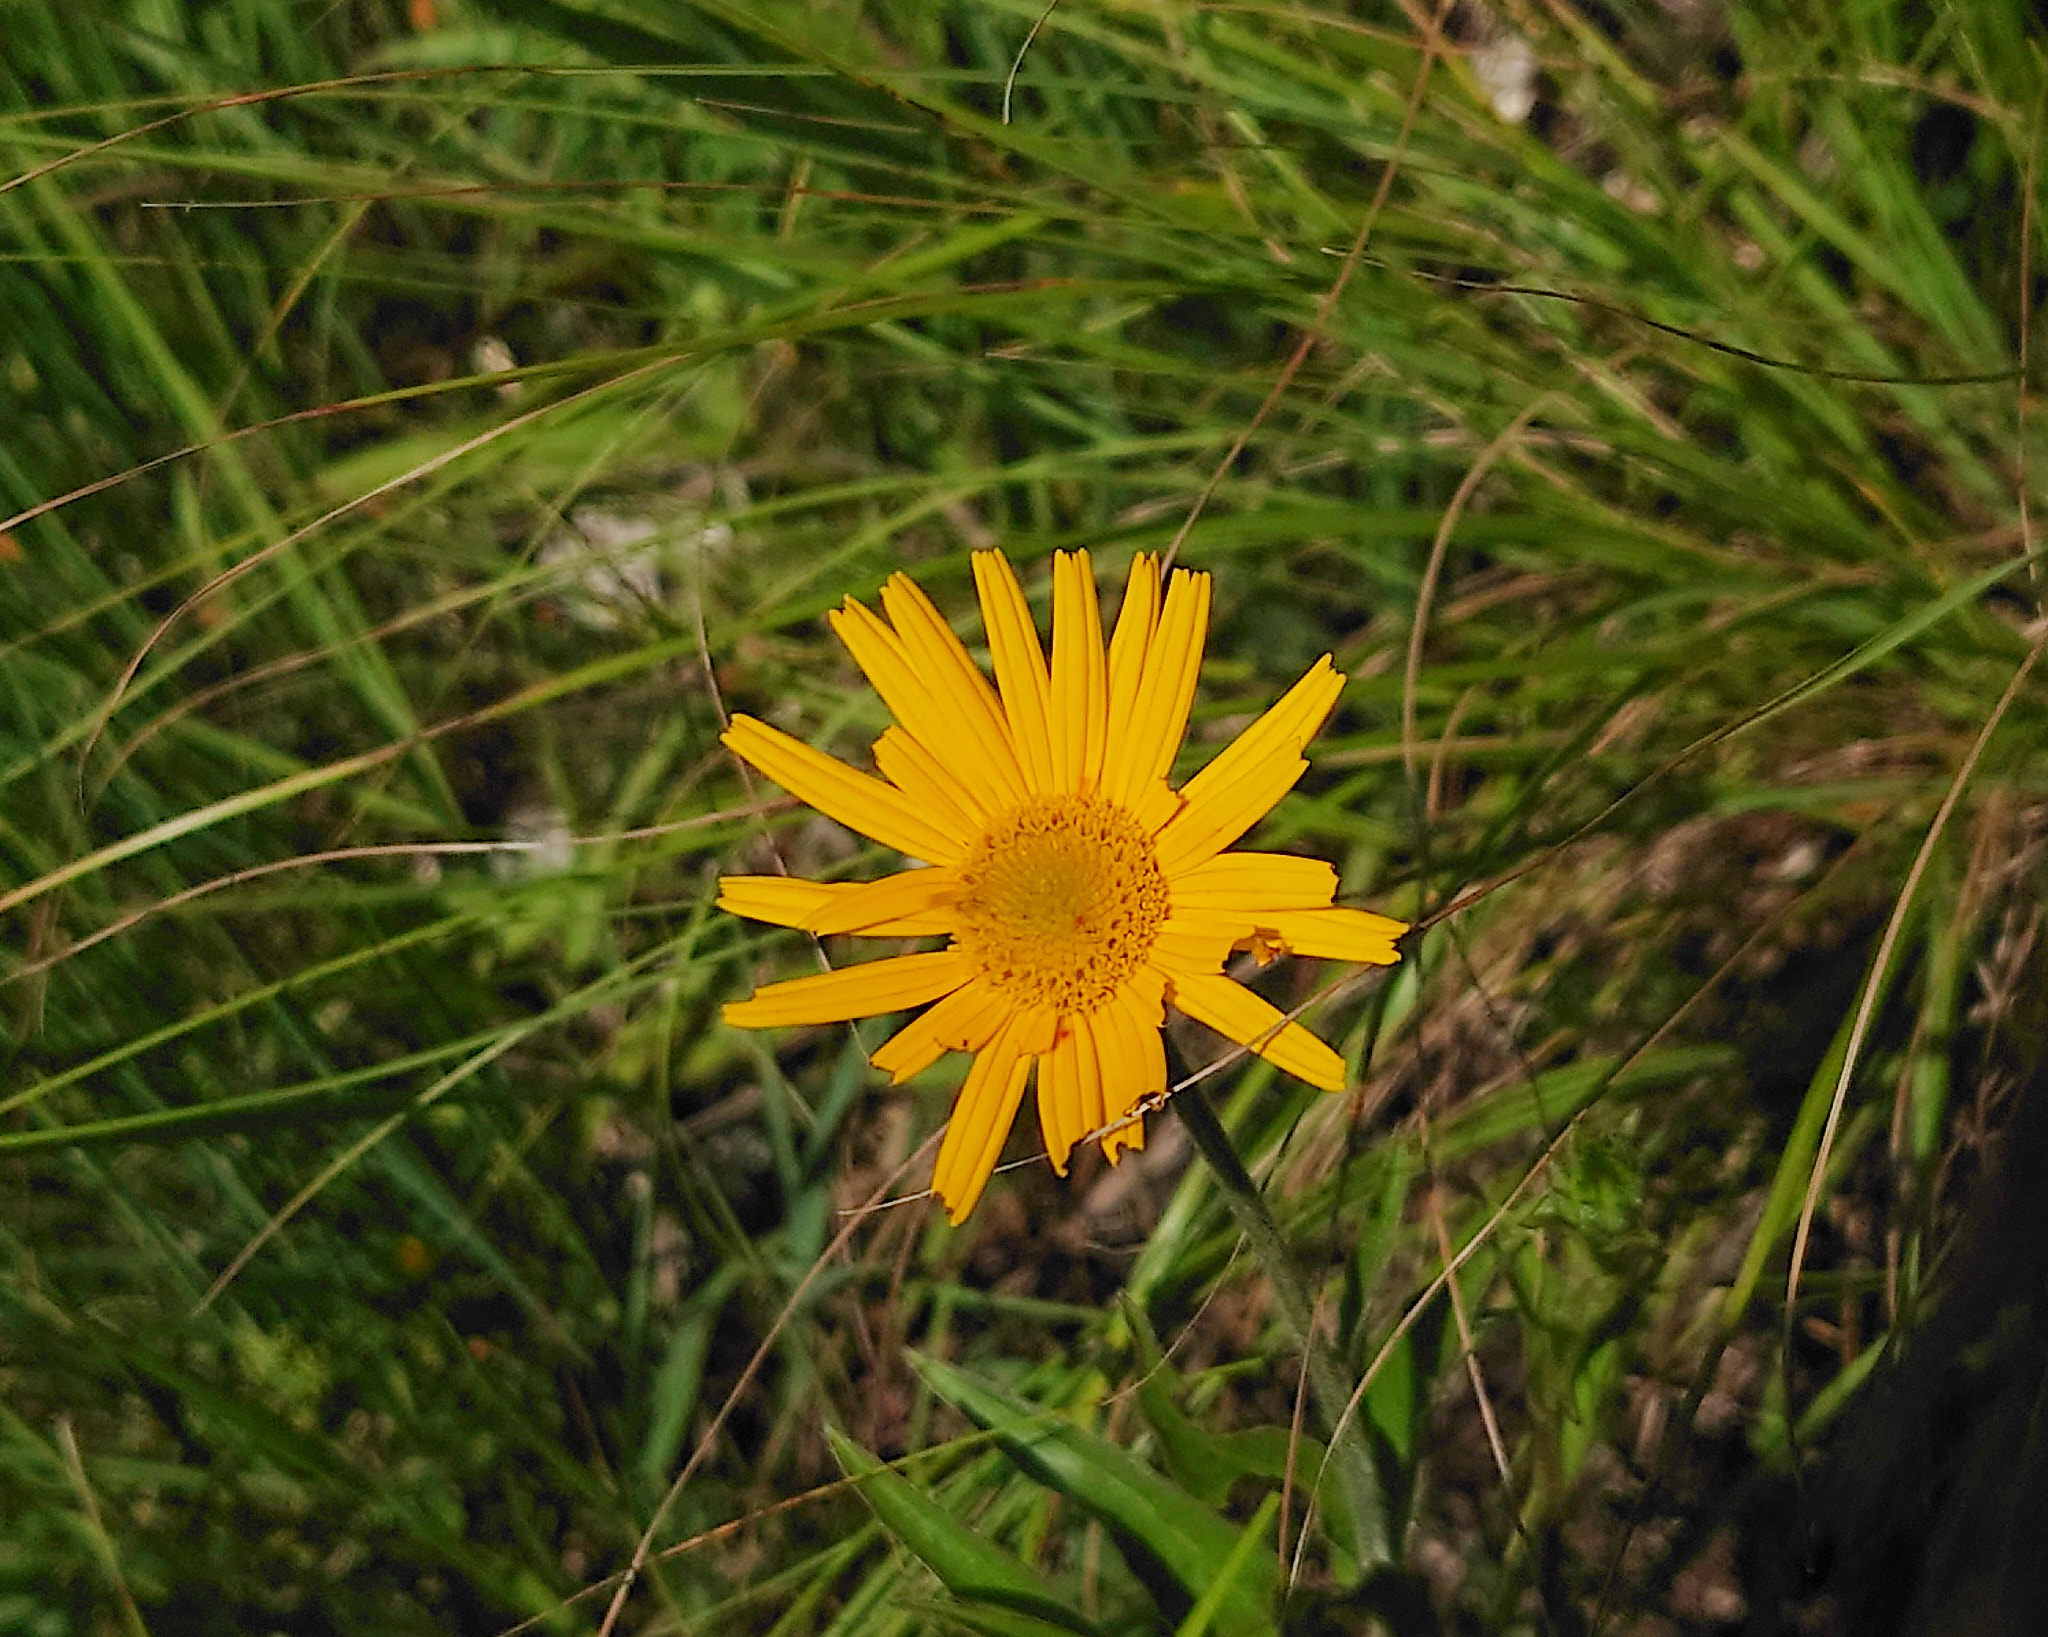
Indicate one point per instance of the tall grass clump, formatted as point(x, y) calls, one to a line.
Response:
point(422, 426)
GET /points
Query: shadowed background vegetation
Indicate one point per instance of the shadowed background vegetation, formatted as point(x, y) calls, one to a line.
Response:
point(419, 423)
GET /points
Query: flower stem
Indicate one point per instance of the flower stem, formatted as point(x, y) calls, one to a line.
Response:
point(1351, 1454)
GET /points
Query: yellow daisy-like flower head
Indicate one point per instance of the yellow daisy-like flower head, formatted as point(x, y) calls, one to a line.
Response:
point(1080, 892)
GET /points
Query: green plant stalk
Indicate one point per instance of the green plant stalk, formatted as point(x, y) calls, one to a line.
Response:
point(1350, 1453)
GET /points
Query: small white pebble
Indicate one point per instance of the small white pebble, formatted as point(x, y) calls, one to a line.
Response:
point(493, 356)
point(1505, 67)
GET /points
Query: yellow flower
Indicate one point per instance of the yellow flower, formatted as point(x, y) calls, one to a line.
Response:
point(1080, 891)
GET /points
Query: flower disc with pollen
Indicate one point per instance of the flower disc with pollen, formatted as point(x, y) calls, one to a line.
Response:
point(1078, 889)
point(1060, 901)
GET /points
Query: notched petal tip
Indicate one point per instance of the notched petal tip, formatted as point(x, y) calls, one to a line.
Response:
point(1129, 1135)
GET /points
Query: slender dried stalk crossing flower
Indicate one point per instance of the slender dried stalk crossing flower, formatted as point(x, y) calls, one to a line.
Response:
point(1080, 891)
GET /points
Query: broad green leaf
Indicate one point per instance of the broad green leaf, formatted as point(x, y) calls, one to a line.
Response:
point(986, 1619)
point(971, 1567)
point(1208, 1464)
point(1144, 1509)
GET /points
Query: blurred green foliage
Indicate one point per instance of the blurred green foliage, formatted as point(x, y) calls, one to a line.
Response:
point(419, 423)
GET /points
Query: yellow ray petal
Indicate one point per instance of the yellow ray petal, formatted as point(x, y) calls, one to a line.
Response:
point(1198, 940)
point(1088, 1070)
point(855, 991)
point(780, 900)
point(927, 706)
point(967, 697)
point(894, 898)
point(1079, 673)
point(1255, 883)
point(1122, 1065)
point(907, 764)
point(1155, 806)
point(1166, 692)
point(1059, 1100)
point(981, 1120)
point(879, 653)
point(1129, 1137)
point(859, 800)
point(785, 900)
point(1130, 645)
point(965, 1021)
point(1336, 934)
point(1037, 1028)
point(1133, 1063)
point(1144, 993)
point(1241, 785)
point(1235, 1012)
point(1020, 666)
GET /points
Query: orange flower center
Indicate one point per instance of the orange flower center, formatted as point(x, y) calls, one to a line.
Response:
point(1060, 901)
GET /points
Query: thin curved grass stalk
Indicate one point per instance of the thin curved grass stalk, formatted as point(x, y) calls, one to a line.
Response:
point(315, 778)
point(347, 1158)
point(928, 331)
point(1425, 595)
point(643, 1548)
point(1859, 658)
point(239, 99)
point(103, 1544)
point(1254, 1218)
point(1017, 62)
point(733, 1526)
point(284, 543)
point(1450, 1265)
point(1434, 46)
point(387, 849)
point(1873, 983)
point(618, 977)
point(1421, 1303)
